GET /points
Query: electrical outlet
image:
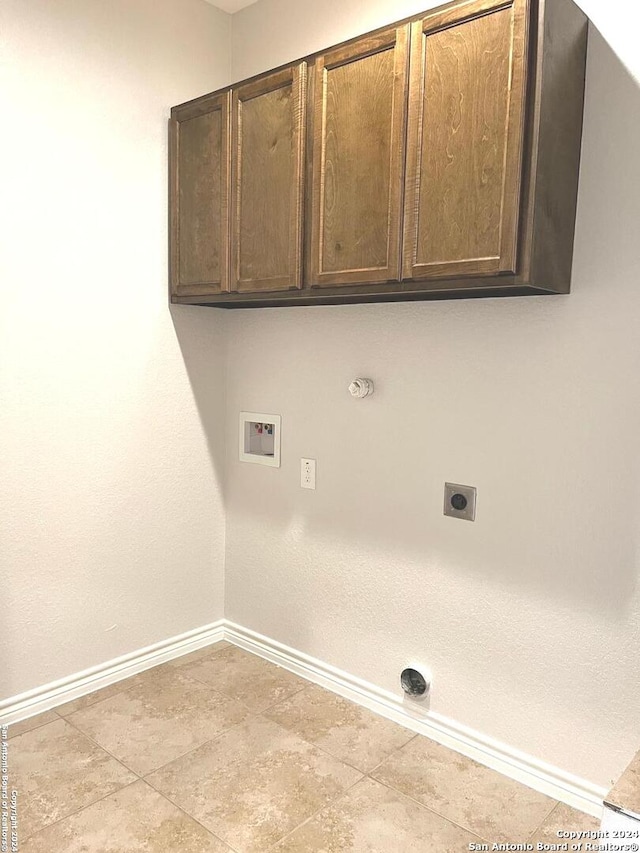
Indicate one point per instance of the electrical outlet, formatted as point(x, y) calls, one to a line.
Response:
point(308, 473)
point(460, 501)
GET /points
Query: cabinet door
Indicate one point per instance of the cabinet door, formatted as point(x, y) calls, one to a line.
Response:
point(268, 130)
point(465, 140)
point(358, 160)
point(199, 196)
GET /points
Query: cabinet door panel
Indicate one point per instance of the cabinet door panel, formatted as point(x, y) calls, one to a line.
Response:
point(358, 160)
point(268, 129)
point(465, 144)
point(199, 159)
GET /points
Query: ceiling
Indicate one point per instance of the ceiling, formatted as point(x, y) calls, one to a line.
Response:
point(231, 6)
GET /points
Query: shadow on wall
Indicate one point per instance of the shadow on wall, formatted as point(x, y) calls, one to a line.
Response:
point(535, 401)
point(201, 337)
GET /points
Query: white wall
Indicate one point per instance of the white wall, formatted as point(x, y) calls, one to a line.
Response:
point(530, 618)
point(110, 496)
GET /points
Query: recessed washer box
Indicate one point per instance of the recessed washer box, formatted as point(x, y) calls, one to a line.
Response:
point(259, 439)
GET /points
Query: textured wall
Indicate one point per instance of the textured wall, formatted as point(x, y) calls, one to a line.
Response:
point(111, 456)
point(530, 618)
point(111, 516)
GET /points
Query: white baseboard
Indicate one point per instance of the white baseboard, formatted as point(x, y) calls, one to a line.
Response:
point(540, 776)
point(549, 780)
point(58, 692)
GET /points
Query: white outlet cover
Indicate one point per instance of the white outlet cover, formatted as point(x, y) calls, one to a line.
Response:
point(308, 473)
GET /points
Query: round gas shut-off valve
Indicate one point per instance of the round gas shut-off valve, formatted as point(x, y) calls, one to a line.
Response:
point(360, 388)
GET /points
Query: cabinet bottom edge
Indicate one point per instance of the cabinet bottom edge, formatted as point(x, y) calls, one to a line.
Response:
point(263, 300)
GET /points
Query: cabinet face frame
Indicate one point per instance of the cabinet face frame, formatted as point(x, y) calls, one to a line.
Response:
point(294, 77)
point(506, 261)
point(396, 39)
point(211, 103)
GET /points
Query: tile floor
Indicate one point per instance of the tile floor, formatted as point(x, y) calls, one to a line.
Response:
point(222, 751)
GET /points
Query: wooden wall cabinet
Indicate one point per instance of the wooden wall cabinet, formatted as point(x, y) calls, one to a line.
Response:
point(267, 167)
point(465, 152)
point(359, 122)
point(441, 161)
point(199, 184)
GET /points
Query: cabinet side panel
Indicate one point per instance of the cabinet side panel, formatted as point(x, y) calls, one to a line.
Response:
point(564, 46)
point(174, 237)
point(200, 163)
point(265, 158)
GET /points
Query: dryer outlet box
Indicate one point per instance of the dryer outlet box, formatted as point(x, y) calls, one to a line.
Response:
point(460, 501)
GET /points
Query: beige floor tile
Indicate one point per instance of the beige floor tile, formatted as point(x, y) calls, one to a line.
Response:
point(254, 784)
point(163, 670)
point(199, 654)
point(92, 698)
point(246, 677)
point(134, 820)
point(565, 818)
point(485, 802)
point(32, 723)
point(346, 730)
point(160, 673)
point(158, 720)
point(626, 792)
point(372, 818)
point(56, 770)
